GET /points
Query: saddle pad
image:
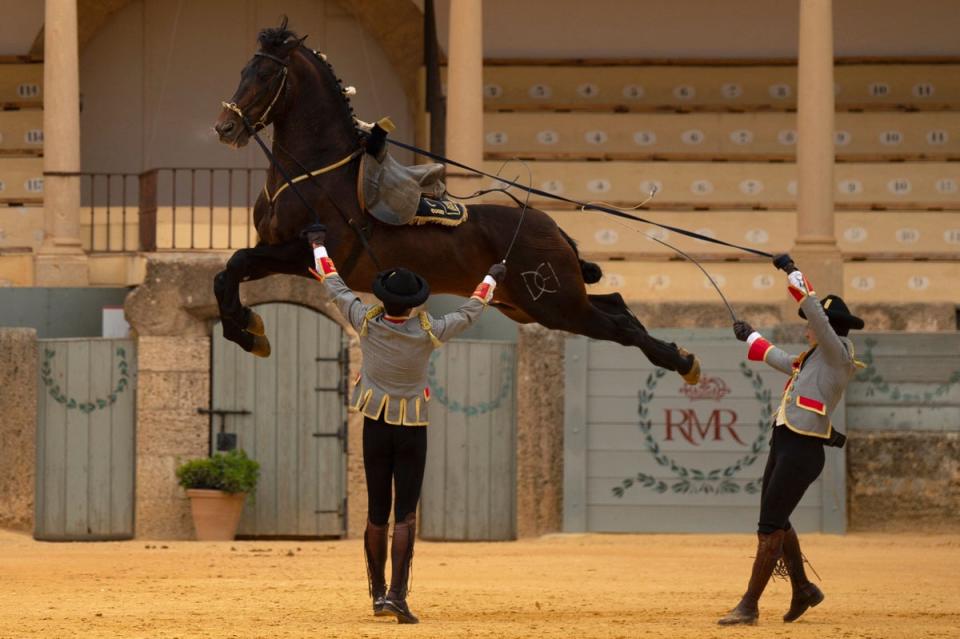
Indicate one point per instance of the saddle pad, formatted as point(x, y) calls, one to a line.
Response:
point(444, 212)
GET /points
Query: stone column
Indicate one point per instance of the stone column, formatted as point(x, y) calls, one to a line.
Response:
point(465, 93)
point(61, 260)
point(816, 251)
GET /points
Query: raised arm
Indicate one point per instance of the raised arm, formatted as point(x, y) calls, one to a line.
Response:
point(452, 324)
point(761, 350)
point(346, 301)
point(802, 291)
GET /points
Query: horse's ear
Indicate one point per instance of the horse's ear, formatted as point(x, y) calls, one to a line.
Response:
point(283, 22)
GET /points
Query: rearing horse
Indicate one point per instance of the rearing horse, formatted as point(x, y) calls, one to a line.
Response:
point(295, 89)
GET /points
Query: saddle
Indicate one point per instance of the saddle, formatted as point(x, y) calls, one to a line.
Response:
point(399, 195)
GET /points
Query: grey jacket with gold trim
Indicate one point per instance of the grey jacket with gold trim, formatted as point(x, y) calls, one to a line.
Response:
point(393, 377)
point(818, 377)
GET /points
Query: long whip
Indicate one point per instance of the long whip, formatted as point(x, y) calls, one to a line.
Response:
point(579, 204)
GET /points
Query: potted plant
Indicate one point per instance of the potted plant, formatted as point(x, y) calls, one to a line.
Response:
point(217, 487)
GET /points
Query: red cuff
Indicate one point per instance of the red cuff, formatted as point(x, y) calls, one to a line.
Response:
point(327, 267)
point(758, 350)
point(483, 292)
point(798, 294)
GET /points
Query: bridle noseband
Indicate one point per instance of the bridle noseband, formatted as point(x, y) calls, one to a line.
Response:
point(262, 122)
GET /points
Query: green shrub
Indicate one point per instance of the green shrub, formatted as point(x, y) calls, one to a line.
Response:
point(231, 472)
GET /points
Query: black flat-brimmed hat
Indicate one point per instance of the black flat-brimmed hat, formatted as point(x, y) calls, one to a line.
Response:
point(401, 287)
point(838, 313)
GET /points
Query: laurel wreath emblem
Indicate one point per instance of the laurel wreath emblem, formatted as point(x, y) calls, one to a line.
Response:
point(480, 408)
point(100, 403)
point(694, 480)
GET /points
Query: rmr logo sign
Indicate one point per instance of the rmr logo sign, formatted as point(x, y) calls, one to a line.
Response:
point(697, 426)
point(686, 434)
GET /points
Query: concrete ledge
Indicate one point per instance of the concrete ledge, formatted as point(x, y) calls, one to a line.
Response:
point(16, 269)
point(116, 269)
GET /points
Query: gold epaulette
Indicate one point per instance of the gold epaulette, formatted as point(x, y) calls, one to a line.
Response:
point(373, 313)
point(425, 325)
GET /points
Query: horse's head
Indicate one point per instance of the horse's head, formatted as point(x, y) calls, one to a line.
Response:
point(262, 86)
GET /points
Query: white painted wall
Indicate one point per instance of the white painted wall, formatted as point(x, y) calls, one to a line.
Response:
point(152, 79)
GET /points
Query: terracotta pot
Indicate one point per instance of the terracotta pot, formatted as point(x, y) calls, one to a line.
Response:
point(216, 514)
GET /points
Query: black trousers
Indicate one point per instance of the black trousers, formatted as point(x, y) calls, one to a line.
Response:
point(393, 460)
point(794, 463)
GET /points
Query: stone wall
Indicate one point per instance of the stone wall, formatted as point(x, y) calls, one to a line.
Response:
point(540, 388)
point(173, 379)
point(18, 427)
point(903, 481)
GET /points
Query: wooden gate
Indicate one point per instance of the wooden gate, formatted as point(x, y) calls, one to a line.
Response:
point(288, 412)
point(470, 480)
point(644, 452)
point(86, 432)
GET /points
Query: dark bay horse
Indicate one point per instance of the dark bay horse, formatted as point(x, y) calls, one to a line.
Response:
point(295, 89)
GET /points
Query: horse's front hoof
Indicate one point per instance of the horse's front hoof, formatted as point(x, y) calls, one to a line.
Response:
point(261, 346)
point(255, 324)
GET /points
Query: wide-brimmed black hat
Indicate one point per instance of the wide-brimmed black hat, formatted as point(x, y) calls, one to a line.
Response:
point(401, 287)
point(838, 313)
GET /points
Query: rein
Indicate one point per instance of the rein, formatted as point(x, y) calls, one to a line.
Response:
point(585, 206)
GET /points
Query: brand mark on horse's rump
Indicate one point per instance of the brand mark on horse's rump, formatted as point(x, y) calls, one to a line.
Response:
point(541, 281)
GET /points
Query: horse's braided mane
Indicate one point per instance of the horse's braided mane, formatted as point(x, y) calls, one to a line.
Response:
point(272, 40)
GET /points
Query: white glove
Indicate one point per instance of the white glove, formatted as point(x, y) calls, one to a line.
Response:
point(796, 280)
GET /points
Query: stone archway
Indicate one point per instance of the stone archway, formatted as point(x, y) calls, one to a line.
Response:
point(171, 315)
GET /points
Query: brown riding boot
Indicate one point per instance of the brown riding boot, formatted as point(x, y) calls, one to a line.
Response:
point(769, 550)
point(375, 550)
point(805, 594)
point(401, 554)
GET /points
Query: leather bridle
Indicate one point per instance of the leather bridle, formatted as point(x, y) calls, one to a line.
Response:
point(282, 75)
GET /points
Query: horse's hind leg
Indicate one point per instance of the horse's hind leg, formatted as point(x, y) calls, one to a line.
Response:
point(241, 324)
point(660, 353)
point(607, 317)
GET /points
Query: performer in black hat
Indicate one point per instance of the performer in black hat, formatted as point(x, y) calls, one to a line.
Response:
point(802, 427)
point(392, 394)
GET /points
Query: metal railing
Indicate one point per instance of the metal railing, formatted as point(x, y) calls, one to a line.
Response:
point(170, 208)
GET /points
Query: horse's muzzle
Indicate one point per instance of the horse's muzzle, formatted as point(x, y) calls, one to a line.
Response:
point(230, 130)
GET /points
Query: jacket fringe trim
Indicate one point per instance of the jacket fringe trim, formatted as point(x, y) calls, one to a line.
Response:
point(409, 411)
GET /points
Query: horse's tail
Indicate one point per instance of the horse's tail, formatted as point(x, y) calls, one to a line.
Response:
point(592, 273)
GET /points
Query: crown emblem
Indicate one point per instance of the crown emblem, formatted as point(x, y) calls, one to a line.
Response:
point(708, 388)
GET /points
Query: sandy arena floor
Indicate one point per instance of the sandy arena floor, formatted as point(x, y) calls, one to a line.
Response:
point(574, 586)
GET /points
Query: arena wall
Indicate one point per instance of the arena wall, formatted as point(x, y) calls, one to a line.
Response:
point(896, 477)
